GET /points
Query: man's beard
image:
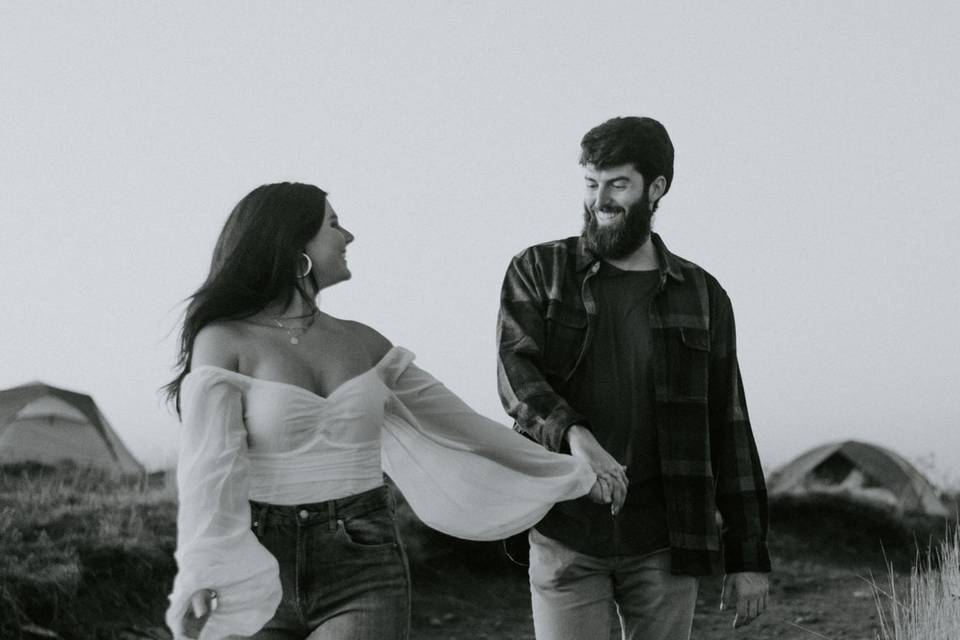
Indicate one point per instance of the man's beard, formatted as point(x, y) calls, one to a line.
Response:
point(623, 237)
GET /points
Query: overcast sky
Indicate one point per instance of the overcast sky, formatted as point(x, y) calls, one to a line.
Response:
point(816, 177)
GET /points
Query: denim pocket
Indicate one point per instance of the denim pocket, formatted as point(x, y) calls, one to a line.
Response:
point(372, 529)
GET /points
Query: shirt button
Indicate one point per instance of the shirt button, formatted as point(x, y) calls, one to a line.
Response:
point(304, 514)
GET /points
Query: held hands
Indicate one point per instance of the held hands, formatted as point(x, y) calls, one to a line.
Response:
point(202, 604)
point(611, 484)
point(751, 593)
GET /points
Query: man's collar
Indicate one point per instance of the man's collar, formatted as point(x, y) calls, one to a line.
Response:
point(669, 264)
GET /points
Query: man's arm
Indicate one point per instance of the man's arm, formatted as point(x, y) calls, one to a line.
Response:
point(539, 411)
point(740, 488)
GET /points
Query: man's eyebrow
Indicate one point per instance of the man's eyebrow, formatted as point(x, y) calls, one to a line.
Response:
point(614, 179)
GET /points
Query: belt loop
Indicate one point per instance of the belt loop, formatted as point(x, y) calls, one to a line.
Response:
point(332, 515)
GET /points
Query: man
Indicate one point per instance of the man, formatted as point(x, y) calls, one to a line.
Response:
point(613, 349)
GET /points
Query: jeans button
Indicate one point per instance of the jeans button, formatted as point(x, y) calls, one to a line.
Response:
point(304, 514)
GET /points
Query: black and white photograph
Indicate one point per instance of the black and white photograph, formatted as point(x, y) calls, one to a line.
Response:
point(447, 320)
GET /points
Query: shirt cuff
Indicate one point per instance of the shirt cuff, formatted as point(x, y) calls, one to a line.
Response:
point(750, 555)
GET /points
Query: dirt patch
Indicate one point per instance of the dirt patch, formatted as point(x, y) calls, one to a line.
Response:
point(806, 599)
point(826, 551)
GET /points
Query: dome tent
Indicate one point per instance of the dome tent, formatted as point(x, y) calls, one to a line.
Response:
point(45, 424)
point(862, 471)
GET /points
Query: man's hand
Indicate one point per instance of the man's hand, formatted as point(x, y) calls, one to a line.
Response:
point(602, 492)
point(611, 485)
point(751, 594)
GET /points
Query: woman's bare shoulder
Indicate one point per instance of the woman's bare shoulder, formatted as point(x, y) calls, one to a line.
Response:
point(218, 344)
point(374, 342)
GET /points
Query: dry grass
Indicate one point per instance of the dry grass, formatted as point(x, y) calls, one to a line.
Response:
point(82, 554)
point(86, 555)
point(930, 610)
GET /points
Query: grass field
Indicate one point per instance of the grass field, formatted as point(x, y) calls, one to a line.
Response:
point(82, 555)
point(85, 556)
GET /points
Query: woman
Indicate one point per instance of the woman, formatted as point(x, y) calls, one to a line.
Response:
point(291, 417)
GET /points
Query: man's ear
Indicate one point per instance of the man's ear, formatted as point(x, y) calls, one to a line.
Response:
point(657, 187)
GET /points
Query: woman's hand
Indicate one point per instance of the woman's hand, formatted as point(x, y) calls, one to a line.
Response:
point(611, 484)
point(600, 491)
point(606, 490)
point(202, 603)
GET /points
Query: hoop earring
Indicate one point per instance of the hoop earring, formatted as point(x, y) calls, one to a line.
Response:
point(309, 267)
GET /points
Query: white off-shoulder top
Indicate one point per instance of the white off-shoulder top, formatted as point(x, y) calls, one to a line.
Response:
point(245, 438)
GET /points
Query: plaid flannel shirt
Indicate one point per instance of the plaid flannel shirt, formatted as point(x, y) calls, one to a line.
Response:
point(708, 457)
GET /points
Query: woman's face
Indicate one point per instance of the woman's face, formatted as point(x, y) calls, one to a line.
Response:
point(328, 250)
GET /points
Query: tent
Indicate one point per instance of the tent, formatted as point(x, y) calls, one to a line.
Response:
point(45, 424)
point(862, 471)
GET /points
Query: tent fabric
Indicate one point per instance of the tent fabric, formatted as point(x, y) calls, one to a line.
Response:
point(861, 470)
point(47, 424)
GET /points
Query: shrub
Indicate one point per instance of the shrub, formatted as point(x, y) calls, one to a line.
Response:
point(844, 532)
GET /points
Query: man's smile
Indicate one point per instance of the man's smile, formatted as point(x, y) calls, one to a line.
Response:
point(608, 215)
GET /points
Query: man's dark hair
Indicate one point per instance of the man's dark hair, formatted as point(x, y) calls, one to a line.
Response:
point(642, 142)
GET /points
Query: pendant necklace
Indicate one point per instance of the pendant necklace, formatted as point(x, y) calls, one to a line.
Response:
point(293, 331)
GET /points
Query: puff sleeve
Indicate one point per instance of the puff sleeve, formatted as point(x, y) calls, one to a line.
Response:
point(464, 474)
point(215, 547)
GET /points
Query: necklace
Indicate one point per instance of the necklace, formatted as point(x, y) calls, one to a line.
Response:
point(293, 331)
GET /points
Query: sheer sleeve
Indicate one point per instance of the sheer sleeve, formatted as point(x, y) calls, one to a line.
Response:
point(215, 547)
point(464, 474)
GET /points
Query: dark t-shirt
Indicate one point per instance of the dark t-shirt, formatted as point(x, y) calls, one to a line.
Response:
point(613, 388)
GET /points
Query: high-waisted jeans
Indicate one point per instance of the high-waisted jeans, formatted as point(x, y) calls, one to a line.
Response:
point(343, 570)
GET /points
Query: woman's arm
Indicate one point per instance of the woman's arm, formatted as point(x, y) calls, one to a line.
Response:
point(462, 473)
point(215, 345)
point(216, 550)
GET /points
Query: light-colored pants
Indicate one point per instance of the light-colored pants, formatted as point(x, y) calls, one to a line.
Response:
point(572, 594)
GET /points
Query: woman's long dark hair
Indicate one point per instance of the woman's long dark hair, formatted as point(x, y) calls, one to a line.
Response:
point(254, 263)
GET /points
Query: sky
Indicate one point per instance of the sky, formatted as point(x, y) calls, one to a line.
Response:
point(815, 177)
